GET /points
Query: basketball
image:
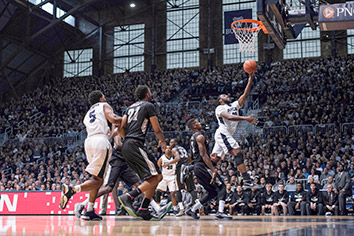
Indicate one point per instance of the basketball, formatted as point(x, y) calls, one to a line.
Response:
point(250, 66)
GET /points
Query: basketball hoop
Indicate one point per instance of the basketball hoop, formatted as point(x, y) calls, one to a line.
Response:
point(246, 31)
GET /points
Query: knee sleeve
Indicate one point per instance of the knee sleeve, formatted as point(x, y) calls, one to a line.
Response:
point(179, 196)
point(158, 196)
point(239, 159)
point(222, 192)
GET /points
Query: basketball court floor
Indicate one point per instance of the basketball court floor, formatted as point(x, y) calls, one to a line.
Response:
point(126, 225)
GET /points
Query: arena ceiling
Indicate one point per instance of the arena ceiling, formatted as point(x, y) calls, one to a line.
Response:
point(30, 36)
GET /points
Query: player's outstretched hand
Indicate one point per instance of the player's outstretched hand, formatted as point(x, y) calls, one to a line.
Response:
point(163, 145)
point(212, 181)
point(252, 120)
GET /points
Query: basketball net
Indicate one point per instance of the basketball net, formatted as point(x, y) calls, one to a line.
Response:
point(246, 33)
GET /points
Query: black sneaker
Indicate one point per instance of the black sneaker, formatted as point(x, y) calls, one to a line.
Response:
point(222, 216)
point(146, 215)
point(193, 214)
point(127, 203)
point(78, 210)
point(66, 193)
point(91, 215)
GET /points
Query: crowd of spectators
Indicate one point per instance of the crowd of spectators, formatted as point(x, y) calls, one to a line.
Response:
point(308, 91)
point(321, 93)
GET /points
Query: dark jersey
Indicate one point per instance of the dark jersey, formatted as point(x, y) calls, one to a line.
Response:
point(297, 196)
point(138, 119)
point(195, 149)
point(254, 198)
point(281, 197)
point(183, 155)
point(315, 197)
point(239, 198)
point(229, 197)
point(268, 199)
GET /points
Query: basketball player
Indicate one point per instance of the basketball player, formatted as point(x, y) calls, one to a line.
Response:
point(228, 117)
point(205, 172)
point(134, 126)
point(98, 150)
point(183, 160)
point(169, 180)
point(119, 171)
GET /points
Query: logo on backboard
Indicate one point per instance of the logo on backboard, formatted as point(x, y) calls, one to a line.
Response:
point(328, 12)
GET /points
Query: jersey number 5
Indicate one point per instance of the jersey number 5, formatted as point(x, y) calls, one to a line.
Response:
point(133, 114)
point(92, 116)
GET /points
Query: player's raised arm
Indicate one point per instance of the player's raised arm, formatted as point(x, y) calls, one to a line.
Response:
point(243, 98)
point(228, 116)
point(110, 116)
point(158, 132)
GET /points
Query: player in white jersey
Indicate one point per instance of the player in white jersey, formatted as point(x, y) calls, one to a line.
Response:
point(98, 150)
point(169, 178)
point(228, 117)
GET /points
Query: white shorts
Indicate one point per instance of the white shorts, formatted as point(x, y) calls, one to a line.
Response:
point(171, 183)
point(224, 143)
point(98, 151)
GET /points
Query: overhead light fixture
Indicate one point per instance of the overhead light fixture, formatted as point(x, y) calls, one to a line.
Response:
point(132, 5)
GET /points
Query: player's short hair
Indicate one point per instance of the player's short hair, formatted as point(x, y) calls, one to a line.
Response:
point(190, 123)
point(141, 91)
point(94, 97)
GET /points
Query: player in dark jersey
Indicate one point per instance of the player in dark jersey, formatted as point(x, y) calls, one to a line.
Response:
point(183, 160)
point(205, 173)
point(134, 127)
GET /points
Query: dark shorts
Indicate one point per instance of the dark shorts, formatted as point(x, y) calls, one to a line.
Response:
point(120, 170)
point(139, 159)
point(204, 175)
point(188, 185)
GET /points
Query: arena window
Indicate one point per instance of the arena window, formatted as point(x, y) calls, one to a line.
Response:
point(182, 34)
point(231, 53)
point(78, 62)
point(129, 48)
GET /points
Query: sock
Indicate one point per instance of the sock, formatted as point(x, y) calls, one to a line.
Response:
point(180, 204)
point(245, 176)
point(221, 206)
point(90, 206)
point(77, 188)
point(84, 203)
point(133, 194)
point(145, 204)
point(175, 208)
point(196, 206)
point(155, 205)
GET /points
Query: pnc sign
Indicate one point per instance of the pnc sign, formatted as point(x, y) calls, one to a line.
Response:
point(336, 16)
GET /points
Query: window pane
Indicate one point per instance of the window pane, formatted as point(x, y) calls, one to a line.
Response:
point(81, 64)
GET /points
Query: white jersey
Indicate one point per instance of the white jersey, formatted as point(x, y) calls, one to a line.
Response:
point(95, 120)
point(170, 170)
point(227, 126)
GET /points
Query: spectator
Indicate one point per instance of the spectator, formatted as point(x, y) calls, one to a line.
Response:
point(314, 201)
point(343, 188)
point(297, 201)
point(239, 202)
point(268, 199)
point(281, 200)
point(254, 202)
point(330, 201)
point(291, 186)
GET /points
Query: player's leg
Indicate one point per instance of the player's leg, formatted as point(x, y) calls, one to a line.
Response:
point(221, 188)
point(173, 188)
point(146, 167)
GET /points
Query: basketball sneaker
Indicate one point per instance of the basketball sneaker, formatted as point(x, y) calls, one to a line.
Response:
point(248, 184)
point(127, 202)
point(164, 210)
point(66, 193)
point(78, 210)
point(193, 214)
point(146, 215)
point(91, 215)
point(222, 216)
point(180, 213)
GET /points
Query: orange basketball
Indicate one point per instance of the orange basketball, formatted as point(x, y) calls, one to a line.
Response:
point(250, 66)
